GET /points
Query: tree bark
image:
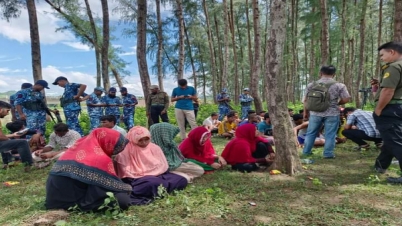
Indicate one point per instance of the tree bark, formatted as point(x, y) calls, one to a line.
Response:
point(379, 39)
point(287, 158)
point(255, 75)
point(105, 45)
point(180, 18)
point(250, 53)
point(219, 54)
point(96, 47)
point(160, 45)
point(236, 70)
point(190, 52)
point(362, 52)
point(312, 50)
point(224, 82)
point(35, 41)
point(342, 72)
point(324, 33)
point(398, 20)
point(141, 46)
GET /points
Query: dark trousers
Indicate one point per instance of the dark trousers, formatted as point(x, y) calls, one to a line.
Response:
point(21, 146)
point(389, 123)
point(156, 112)
point(260, 152)
point(359, 136)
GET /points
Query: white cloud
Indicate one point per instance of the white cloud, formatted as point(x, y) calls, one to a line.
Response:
point(4, 69)
point(2, 59)
point(130, 53)
point(78, 46)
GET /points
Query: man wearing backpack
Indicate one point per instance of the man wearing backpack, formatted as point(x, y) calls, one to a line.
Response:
point(322, 100)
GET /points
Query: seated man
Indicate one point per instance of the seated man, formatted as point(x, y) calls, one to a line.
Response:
point(301, 129)
point(212, 123)
point(252, 118)
point(360, 126)
point(109, 121)
point(265, 127)
point(60, 140)
point(228, 126)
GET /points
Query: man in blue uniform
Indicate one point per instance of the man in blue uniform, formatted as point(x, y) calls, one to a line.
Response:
point(112, 103)
point(95, 107)
point(223, 100)
point(245, 102)
point(70, 102)
point(14, 113)
point(31, 106)
point(129, 101)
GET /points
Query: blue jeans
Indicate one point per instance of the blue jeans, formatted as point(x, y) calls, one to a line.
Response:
point(331, 124)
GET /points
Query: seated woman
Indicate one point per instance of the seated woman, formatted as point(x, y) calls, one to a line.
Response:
point(247, 149)
point(143, 166)
point(197, 148)
point(84, 173)
point(163, 135)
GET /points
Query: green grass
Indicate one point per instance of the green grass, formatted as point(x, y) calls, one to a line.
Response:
point(342, 191)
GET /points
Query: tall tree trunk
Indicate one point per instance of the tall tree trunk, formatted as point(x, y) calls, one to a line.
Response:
point(116, 75)
point(379, 38)
point(324, 33)
point(226, 45)
point(35, 41)
point(362, 52)
point(220, 53)
point(250, 53)
point(211, 50)
point(236, 70)
point(191, 56)
point(342, 72)
point(312, 50)
point(160, 45)
point(398, 20)
point(141, 46)
point(255, 75)
point(96, 46)
point(294, 39)
point(287, 158)
point(105, 46)
point(180, 18)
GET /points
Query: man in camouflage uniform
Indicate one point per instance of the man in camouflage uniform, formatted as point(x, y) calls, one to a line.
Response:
point(388, 111)
point(157, 105)
point(223, 100)
point(112, 103)
point(245, 102)
point(95, 107)
point(30, 105)
point(14, 114)
point(129, 101)
point(70, 102)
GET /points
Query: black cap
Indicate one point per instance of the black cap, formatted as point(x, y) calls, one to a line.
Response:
point(112, 89)
point(42, 83)
point(26, 85)
point(122, 89)
point(59, 79)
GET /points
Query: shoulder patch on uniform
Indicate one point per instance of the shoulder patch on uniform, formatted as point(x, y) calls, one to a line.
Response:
point(19, 96)
point(385, 66)
point(386, 75)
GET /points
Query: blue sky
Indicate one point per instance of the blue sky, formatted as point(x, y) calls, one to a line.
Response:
point(62, 53)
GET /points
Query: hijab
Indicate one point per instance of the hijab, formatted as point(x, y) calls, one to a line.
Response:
point(135, 161)
point(89, 160)
point(192, 148)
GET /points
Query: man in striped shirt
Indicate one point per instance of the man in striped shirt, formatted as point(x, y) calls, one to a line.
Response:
point(360, 127)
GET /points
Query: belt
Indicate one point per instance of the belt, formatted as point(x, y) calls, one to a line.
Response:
point(395, 102)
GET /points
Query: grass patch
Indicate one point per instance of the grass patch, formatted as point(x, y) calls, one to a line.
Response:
point(341, 191)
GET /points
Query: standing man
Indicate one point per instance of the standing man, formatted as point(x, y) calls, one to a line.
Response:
point(335, 94)
point(95, 107)
point(157, 105)
point(388, 111)
point(30, 105)
point(70, 102)
point(14, 114)
point(112, 103)
point(184, 109)
point(129, 101)
point(223, 101)
point(245, 102)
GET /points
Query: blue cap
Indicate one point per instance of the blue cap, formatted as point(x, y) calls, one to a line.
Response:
point(59, 79)
point(98, 88)
point(42, 83)
point(224, 90)
point(26, 85)
point(112, 89)
point(122, 89)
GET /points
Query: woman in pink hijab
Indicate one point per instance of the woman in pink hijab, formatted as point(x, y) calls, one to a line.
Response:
point(143, 165)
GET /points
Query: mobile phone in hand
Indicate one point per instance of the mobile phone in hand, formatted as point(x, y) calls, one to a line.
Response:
point(21, 132)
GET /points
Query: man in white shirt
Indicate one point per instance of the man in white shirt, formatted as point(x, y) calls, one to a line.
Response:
point(109, 121)
point(212, 122)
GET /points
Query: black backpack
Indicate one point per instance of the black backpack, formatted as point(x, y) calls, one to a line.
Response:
point(318, 98)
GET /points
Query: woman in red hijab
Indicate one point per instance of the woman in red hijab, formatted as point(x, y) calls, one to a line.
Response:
point(247, 149)
point(197, 146)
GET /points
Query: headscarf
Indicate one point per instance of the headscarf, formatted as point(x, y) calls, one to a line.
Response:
point(89, 160)
point(163, 135)
point(191, 147)
point(239, 149)
point(136, 161)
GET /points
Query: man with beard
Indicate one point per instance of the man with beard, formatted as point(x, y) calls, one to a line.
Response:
point(95, 107)
point(129, 102)
point(157, 105)
point(14, 113)
point(70, 102)
point(223, 101)
point(112, 103)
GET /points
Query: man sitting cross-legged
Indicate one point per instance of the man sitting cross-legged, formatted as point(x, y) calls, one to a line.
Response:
point(60, 140)
point(301, 129)
point(109, 121)
point(228, 126)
